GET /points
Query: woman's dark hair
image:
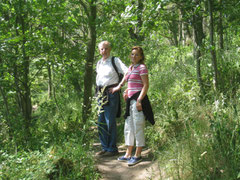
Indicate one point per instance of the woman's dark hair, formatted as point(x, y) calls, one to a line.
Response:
point(141, 52)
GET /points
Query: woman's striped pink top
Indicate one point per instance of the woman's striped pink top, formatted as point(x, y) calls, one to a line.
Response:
point(133, 78)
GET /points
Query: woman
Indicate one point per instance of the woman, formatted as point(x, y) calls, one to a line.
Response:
point(137, 79)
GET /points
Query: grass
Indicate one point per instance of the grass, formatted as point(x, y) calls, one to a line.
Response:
point(194, 138)
point(71, 160)
point(201, 143)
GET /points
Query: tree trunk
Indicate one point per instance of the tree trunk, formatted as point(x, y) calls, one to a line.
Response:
point(75, 82)
point(16, 80)
point(50, 86)
point(135, 34)
point(212, 44)
point(173, 27)
point(88, 76)
point(5, 100)
point(140, 37)
point(6, 112)
point(220, 26)
point(198, 37)
point(180, 39)
point(22, 78)
point(197, 53)
point(26, 98)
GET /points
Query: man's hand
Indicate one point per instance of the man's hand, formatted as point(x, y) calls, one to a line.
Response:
point(115, 89)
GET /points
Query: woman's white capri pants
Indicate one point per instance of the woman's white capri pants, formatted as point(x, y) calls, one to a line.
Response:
point(134, 126)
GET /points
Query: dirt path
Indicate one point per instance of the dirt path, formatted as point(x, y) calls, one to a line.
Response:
point(111, 169)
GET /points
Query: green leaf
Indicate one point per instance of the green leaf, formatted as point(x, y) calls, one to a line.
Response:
point(238, 175)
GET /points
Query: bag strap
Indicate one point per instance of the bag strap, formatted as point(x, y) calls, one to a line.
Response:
point(115, 67)
point(119, 79)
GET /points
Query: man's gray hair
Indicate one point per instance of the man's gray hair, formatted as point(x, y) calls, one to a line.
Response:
point(104, 42)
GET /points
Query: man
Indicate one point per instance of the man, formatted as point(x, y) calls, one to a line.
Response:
point(106, 79)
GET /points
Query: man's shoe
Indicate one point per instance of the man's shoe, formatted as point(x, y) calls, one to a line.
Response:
point(111, 153)
point(134, 161)
point(100, 153)
point(124, 159)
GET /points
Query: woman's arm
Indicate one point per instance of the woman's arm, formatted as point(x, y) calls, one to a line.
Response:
point(117, 88)
point(143, 91)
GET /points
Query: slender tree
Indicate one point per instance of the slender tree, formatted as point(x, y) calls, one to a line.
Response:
point(212, 44)
point(5, 101)
point(91, 11)
point(135, 32)
point(24, 91)
point(220, 25)
point(198, 34)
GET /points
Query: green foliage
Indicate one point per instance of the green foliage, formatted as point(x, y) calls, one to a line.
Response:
point(70, 160)
point(195, 136)
point(229, 70)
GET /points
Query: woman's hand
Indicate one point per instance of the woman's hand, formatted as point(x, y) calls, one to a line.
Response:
point(139, 105)
point(125, 95)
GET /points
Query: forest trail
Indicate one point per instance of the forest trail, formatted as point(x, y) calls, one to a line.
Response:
point(111, 169)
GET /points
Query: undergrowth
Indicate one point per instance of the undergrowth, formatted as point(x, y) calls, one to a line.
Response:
point(71, 160)
point(60, 148)
point(195, 137)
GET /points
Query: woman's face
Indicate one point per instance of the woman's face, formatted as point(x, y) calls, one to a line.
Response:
point(135, 56)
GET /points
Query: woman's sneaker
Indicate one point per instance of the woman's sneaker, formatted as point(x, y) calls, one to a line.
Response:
point(122, 158)
point(134, 160)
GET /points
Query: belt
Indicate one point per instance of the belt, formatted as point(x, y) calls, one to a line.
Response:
point(106, 87)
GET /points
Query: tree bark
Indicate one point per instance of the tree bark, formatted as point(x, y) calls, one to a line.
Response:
point(198, 38)
point(174, 30)
point(5, 100)
point(135, 34)
point(26, 98)
point(88, 76)
point(22, 79)
point(75, 82)
point(221, 43)
point(140, 37)
point(212, 44)
point(50, 86)
point(180, 39)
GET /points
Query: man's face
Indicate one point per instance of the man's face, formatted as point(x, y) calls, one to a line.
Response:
point(104, 50)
